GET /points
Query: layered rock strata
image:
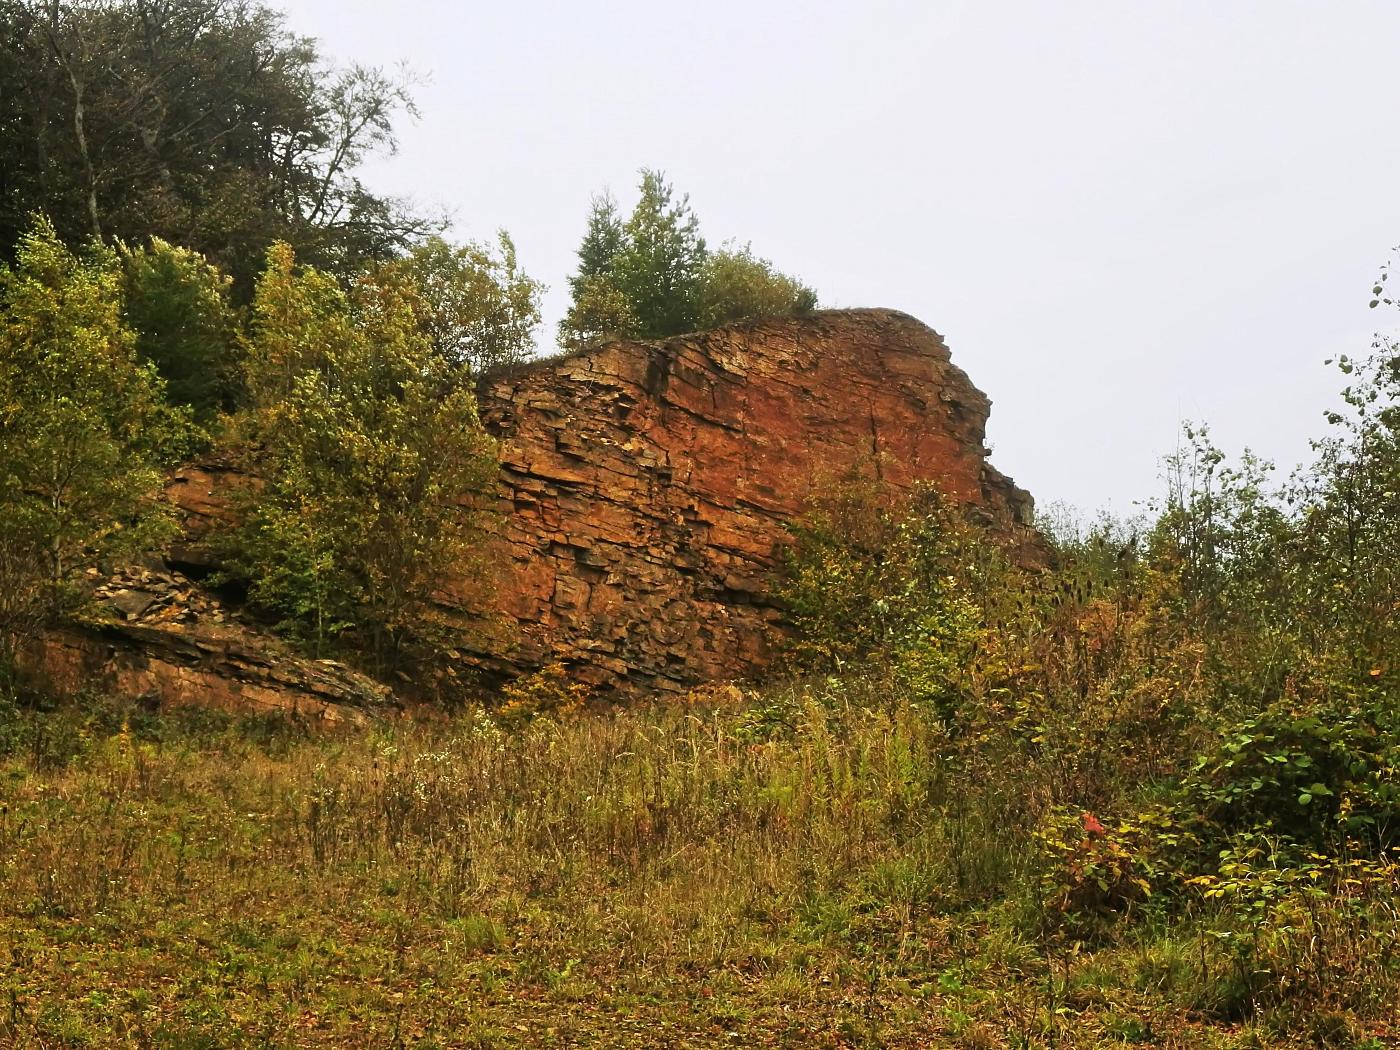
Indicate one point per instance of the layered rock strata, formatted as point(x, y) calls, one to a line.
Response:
point(645, 493)
point(155, 636)
point(646, 488)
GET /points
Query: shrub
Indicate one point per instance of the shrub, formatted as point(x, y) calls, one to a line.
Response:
point(1317, 773)
point(877, 587)
point(371, 454)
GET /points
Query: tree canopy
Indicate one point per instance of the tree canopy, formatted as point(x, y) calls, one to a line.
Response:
point(203, 122)
point(652, 275)
point(477, 307)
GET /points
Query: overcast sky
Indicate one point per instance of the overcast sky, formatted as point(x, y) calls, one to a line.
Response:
point(1120, 215)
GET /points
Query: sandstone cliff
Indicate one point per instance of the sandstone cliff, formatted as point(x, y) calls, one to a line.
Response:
point(646, 487)
point(645, 490)
point(155, 636)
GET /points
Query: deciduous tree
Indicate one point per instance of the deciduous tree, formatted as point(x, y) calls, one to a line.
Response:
point(204, 122)
point(370, 451)
point(178, 305)
point(476, 305)
point(83, 429)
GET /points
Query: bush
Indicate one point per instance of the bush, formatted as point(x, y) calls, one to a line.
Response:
point(875, 587)
point(736, 284)
point(1320, 774)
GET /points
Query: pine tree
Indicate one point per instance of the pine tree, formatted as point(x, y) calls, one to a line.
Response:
point(602, 243)
point(661, 268)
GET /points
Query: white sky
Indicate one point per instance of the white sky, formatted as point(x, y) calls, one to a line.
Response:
point(1121, 215)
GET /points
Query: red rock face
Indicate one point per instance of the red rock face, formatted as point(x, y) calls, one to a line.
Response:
point(158, 637)
point(646, 488)
point(645, 492)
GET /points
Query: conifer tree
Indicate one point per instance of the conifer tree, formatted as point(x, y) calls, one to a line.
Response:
point(660, 269)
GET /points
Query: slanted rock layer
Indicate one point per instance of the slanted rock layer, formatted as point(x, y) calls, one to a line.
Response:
point(645, 493)
point(156, 636)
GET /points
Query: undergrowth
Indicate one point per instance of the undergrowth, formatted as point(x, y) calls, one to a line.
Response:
point(820, 864)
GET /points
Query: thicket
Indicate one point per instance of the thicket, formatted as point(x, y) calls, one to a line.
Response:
point(1194, 717)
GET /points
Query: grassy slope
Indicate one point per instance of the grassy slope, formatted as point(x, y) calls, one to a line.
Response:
point(808, 873)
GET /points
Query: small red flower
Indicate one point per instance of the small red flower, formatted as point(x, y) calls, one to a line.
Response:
point(1092, 825)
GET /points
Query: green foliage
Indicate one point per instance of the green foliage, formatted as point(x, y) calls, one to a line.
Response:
point(870, 586)
point(206, 123)
point(1323, 774)
point(477, 307)
point(736, 284)
point(652, 276)
point(178, 305)
point(83, 429)
point(1296, 928)
point(1348, 529)
point(603, 243)
point(370, 452)
point(600, 311)
point(660, 267)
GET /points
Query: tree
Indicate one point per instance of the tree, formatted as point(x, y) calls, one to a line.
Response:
point(660, 267)
point(83, 430)
point(476, 305)
point(652, 276)
point(603, 242)
point(177, 303)
point(203, 122)
point(370, 451)
point(600, 309)
point(736, 284)
point(1350, 509)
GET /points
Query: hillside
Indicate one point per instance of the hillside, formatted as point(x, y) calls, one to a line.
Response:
point(396, 651)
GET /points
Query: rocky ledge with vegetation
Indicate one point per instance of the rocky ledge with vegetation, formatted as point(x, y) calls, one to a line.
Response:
point(1142, 791)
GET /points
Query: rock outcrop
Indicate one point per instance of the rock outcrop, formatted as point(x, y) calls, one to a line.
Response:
point(156, 636)
point(647, 487)
point(646, 490)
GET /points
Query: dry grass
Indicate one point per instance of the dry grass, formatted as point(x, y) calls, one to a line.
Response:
point(807, 872)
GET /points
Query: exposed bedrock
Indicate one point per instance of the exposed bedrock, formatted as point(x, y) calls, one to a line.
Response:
point(646, 488)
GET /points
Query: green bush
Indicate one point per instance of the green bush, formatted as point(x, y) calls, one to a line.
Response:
point(1319, 774)
point(877, 587)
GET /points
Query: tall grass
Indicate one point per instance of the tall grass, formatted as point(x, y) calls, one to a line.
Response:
point(816, 864)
